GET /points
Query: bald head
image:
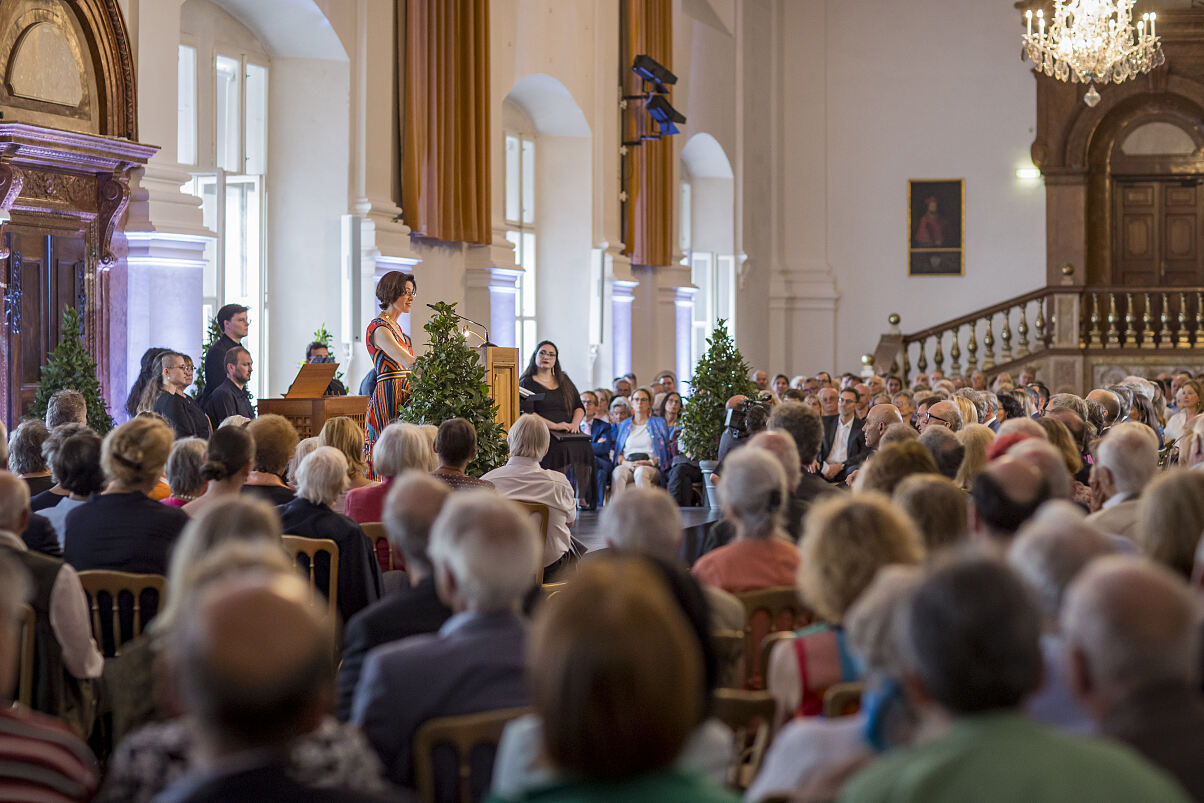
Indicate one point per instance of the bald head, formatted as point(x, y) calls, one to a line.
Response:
point(14, 503)
point(413, 504)
point(878, 420)
point(1108, 400)
point(253, 653)
point(942, 414)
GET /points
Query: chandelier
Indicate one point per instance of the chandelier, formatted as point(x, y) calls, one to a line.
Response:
point(1093, 41)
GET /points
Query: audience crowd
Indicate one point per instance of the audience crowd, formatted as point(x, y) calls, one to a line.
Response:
point(1005, 580)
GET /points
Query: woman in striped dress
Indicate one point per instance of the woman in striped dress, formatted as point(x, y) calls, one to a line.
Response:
point(392, 354)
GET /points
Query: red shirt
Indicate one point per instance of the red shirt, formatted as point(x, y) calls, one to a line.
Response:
point(749, 564)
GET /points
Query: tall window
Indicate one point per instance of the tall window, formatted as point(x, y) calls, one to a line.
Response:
point(224, 129)
point(715, 276)
point(520, 230)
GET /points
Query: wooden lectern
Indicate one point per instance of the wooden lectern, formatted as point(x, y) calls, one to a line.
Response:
point(502, 371)
point(307, 409)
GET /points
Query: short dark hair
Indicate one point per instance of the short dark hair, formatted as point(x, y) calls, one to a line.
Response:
point(1011, 407)
point(802, 424)
point(227, 312)
point(232, 355)
point(77, 464)
point(999, 510)
point(66, 407)
point(25, 447)
point(391, 287)
point(971, 634)
point(946, 450)
point(314, 346)
point(456, 441)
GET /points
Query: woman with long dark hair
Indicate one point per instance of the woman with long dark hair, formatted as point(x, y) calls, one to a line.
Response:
point(557, 402)
point(391, 351)
point(146, 375)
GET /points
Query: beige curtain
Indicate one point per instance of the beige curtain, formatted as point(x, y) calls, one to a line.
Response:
point(648, 29)
point(444, 69)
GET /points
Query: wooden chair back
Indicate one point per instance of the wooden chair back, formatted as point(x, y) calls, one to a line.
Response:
point(750, 715)
point(729, 647)
point(464, 735)
point(540, 510)
point(27, 641)
point(843, 699)
point(390, 559)
point(305, 552)
point(768, 610)
point(100, 583)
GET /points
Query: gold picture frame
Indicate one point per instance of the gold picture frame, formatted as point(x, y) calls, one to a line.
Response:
point(936, 227)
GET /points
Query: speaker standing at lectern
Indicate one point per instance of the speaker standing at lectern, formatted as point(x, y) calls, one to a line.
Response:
point(391, 351)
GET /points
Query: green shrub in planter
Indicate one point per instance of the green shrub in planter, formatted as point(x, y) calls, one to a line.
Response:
point(720, 374)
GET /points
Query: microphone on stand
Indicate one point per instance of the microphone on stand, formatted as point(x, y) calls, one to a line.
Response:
point(475, 323)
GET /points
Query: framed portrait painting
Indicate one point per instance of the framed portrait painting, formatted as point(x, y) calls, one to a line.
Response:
point(936, 227)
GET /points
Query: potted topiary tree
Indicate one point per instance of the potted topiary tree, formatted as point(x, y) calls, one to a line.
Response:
point(71, 367)
point(720, 374)
point(449, 382)
point(212, 335)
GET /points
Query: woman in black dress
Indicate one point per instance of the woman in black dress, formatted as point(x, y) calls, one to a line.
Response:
point(559, 405)
point(181, 411)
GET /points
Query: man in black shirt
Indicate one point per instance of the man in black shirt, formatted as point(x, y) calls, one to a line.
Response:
point(232, 320)
point(231, 397)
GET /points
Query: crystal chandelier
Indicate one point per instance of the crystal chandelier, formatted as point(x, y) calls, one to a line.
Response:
point(1093, 41)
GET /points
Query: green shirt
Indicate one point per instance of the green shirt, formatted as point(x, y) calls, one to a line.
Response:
point(670, 786)
point(1008, 757)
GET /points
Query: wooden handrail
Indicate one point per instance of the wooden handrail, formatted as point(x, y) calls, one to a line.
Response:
point(979, 315)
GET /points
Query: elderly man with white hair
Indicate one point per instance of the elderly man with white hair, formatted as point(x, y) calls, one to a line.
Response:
point(321, 477)
point(522, 478)
point(1134, 645)
point(484, 554)
point(1125, 461)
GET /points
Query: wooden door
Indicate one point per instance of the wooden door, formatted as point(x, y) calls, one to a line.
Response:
point(44, 274)
point(1159, 228)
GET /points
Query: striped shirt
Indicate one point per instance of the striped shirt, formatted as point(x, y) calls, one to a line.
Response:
point(42, 760)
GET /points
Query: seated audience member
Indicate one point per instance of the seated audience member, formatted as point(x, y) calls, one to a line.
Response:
point(1058, 434)
point(305, 448)
point(1003, 497)
point(941, 413)
point(753, 497)
point(275, 441)
point(43, 759)
point(1018, 426)
point(1191, 445)
point(967, 409)
point(1134, 643)
point(251, 662)
point(63, 628)
point(186, 417)
point(892, 465)
point(846, 542)
point(602, 440)
point(641, 446)
point(975, 439)
point(320, 352)
point(897, 433)
point(970, 644)
point(321, 477)
point(635, 654)
point(647, 522)
point(1008, 408)
point(811, 753)
point(782, 447)
point(620, 410)
point(229, 395)
point(484, 554)
point(183, 471)
point(161, 490)
point(829, 401)
point(53, 495)
point(1170, 518)
point(841, 444)
point(806, 428)
point(1048, 553)
point(946, 449)
point(25, 455)
point(523, 479)
point(401, 447)
point(937, 506)
point(77, 465)
point(1042, 456)
point(1187, 401)
point(781, 384)
point(413, 504)
point(1125, 461)
point(122, 528)
point(622, 386)
point(66, 407)
point(905, 402)
point(347, 436)
point(228, 457)
point(456, 446)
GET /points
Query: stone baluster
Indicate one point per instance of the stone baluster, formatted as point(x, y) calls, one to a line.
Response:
point(1130, 322)
point(1042, 334)
point(1005, 335)
point(1095, 337)
point(1199, 320)
point(955, 352)
point(906, 366)
point(1184, 339)
point(922, 363)
point(1113, 321)
point(1147, 325)
point(1022, 330)
point(938, 356)
point(988, 342)
point(972, 351)
point(1164, 332)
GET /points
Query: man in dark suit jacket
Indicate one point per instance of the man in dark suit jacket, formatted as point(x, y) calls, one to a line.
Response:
point(484, 557)
point(880, 418)
point(841, 445)
point(410, 511)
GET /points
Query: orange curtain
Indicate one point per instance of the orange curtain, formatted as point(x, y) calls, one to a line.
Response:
point(647, 29)
point(444, 66)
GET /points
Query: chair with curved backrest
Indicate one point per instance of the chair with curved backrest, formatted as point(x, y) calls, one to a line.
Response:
point(306, 551)
point(768, 610)
point(750, 715)
point(843, 699)
point(729, 647)
point(541, 510)
point(27, 641)
point(465, 735)
point(390, 559)
point(101, 583)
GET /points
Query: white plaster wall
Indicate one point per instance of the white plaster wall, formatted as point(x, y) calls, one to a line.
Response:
point(926, 89)
point(711, 226)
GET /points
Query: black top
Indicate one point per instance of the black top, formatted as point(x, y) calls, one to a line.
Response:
point(215, 364)
point(127, 532)
point(552, 406)
point(359, 573)
point(185, 415)
point(38, 484)
point(44, 500)
point(227, 399)
point(407, 611)
point(276, 494)
point(39, 536)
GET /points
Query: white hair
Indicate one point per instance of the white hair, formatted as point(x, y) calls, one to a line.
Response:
point(1045, 457)
point(1053, 547)
point(401, 446)
point(1024, 425)
point(783, 447)
point(1130, 452)
point(753, 490)
point(872, 619)
point(305, 447)
point(529, 437)
point(322, 475)
point(643, 520)
point(488, 546)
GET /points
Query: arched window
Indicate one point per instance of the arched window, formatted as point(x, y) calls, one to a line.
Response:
point(519, 179)
point(705, 235)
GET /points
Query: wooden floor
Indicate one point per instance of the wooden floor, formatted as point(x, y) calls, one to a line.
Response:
point(694, 521)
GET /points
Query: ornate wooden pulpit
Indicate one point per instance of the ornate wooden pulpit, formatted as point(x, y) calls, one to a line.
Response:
point(502, 371)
